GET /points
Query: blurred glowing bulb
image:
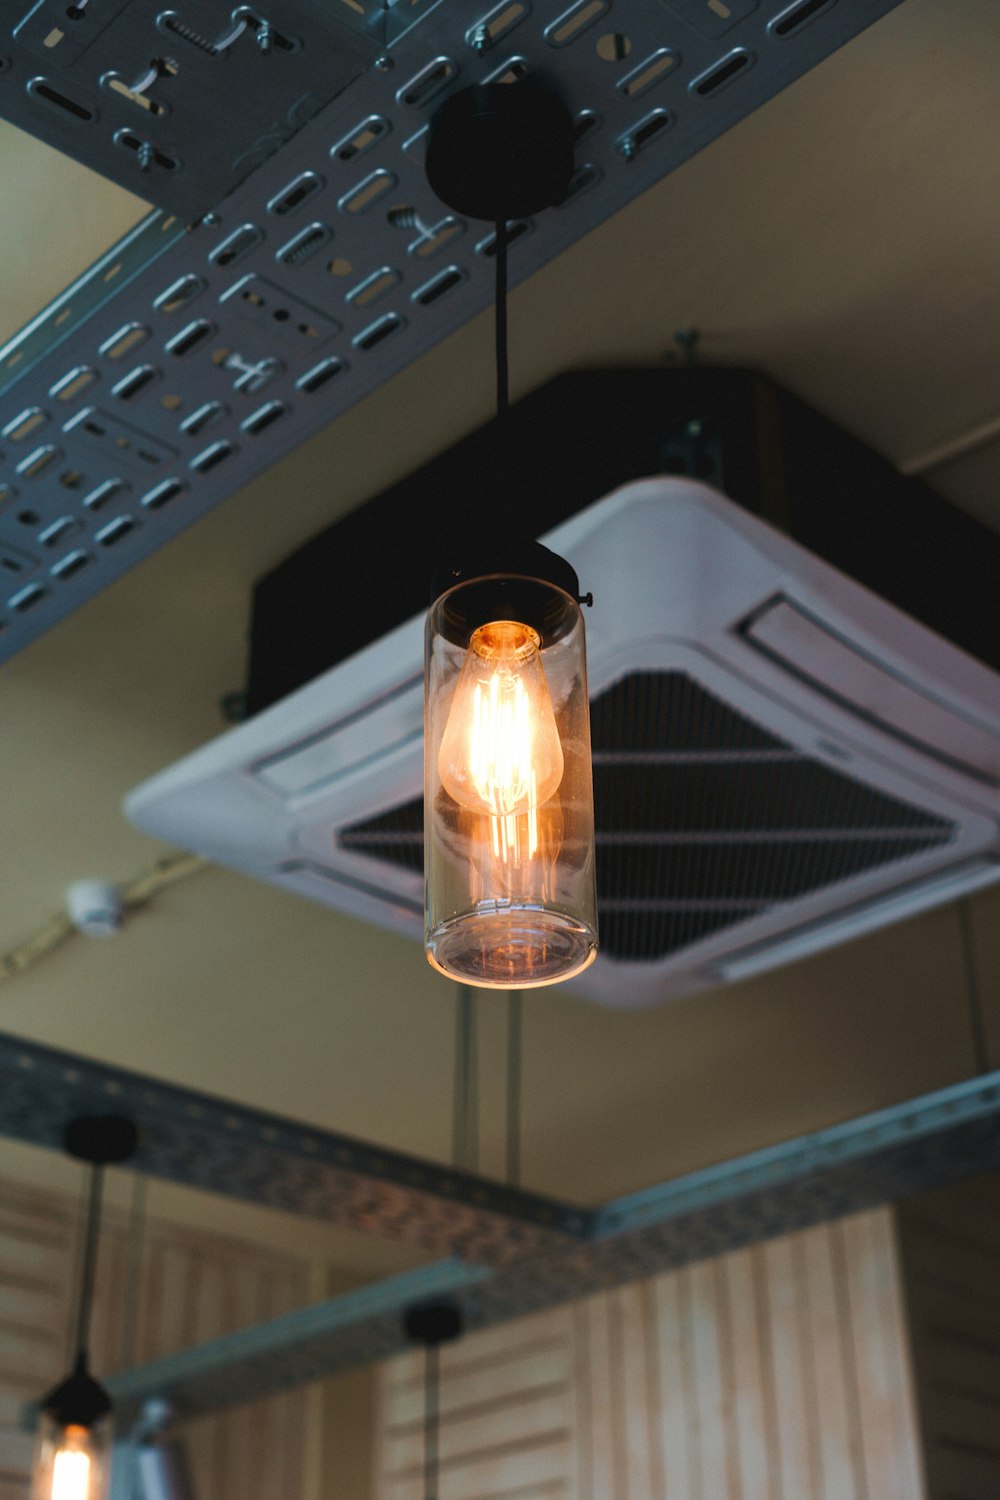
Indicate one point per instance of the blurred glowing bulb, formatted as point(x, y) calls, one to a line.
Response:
point(500, 752)
point(71, 1467)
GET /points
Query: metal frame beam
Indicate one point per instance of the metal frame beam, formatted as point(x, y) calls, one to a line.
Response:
point(210, 1143)
point(511, 1253)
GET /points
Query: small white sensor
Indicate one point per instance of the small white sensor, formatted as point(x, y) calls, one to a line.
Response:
point(95, 907)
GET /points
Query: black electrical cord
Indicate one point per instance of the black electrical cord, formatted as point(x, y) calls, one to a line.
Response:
point(89, 1267)
point(500, 308)
point(432, 1422)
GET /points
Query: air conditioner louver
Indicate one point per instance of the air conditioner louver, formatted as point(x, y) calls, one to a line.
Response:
point(703, 819)
point(738, 805)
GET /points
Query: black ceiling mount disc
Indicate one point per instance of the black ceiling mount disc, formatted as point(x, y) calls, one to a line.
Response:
point(433, 1323)
point(477, 558)
point(103, 1140)
point(500, 151)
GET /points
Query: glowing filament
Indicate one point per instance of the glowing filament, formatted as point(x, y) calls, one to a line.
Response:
point(71, 1469)
point(500, 753)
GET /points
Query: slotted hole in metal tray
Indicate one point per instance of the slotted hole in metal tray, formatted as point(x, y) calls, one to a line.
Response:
point(575, 21)
point(21, 602)
point(137, 381)
point(374, 287)
point(104, 492)
point(433, 291)
point(305, 245)
point(377, 333)
point(320, 375)
point(212, 457)
point(292, 197)
point(264, 417)
point(368, 192)
point(723, 73)
point(162, 494)
point(20, 428)
point(37, 462)
point(179, 294)
point(361, 139)
point(74, 383)
point(189, 338)
point(236, 245)
point(797, 15)
point(436, 238)
point(492, 28)
point(428, 83)
point(70, 565)
point(42, 89)
point(124, 341)
point(648, 73)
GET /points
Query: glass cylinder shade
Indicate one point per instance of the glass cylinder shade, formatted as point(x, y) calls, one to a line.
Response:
point(72, 1461)
point(508, 786)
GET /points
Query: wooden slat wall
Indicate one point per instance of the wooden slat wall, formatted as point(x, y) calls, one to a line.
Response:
point(35, 1236)
point(508, 1412)
point(950, 1245)
point(776, 1373)
point(192, 1286)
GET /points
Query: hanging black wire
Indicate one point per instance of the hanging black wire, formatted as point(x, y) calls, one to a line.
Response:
point(500, 314)
point(432, 1420)
point(89, 1266)
point(432, 1324)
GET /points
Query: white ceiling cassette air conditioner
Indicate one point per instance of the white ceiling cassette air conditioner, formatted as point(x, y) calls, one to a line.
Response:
point(782, 760)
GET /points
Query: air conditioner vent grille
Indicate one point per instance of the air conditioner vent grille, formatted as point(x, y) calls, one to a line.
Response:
point(704, 819)
point(659, 711)
point(396, 837)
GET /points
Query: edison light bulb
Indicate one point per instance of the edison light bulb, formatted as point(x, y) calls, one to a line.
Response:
point(70, 1468)
point(510, 899)
point(500, 753)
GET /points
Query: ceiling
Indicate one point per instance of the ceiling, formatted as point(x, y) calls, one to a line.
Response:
point(843, 238)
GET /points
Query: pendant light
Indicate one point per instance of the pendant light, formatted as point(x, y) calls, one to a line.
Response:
point(433, 1324)
point(73, 1447)
point(508, 787)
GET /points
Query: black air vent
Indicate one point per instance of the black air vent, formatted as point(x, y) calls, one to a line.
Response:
point(703, 819)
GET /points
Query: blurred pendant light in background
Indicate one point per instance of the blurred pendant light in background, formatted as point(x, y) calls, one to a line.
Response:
point(433, 1324)
point(508, 786)
point(73, 1447)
